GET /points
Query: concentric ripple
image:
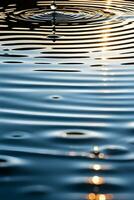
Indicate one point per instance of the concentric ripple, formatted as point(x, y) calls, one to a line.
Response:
point(65, 14)
point(67, 100)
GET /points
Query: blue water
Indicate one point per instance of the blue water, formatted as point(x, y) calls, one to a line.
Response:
point(67, 100)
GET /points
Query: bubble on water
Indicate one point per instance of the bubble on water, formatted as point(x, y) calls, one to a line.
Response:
point(56, 97)
point(17, 135)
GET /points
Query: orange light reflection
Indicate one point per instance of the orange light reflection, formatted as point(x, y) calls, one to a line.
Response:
point(96, 180)
point(93, 196)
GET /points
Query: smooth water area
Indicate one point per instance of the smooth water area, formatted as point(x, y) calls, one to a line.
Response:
point(67, 100)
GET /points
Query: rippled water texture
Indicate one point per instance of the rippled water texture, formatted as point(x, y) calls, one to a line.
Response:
point(67, 100)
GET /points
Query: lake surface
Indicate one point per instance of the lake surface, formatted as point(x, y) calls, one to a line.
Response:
point(67, 100)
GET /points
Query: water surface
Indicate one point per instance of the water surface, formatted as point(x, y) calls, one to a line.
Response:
point(67, 100)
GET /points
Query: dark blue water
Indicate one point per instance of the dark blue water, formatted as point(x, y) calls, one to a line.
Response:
point(67, 100)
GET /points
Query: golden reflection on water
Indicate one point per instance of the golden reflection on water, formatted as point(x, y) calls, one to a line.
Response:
point(105, 38)
point(96, 153)
point(97, 180)
point(109, 2)
point(93, 196)
point(97, 167)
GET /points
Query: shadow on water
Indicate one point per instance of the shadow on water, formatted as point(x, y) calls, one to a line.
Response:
point(66, 100)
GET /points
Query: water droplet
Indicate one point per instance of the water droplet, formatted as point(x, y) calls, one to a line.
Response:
point(53, 7)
